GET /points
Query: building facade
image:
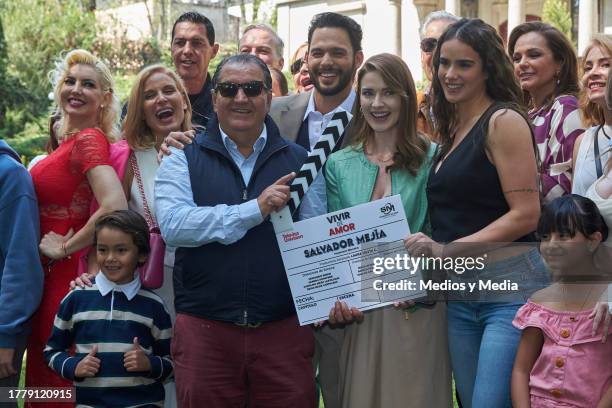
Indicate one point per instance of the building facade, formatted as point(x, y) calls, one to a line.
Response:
point(142, 19)
point(393, 25)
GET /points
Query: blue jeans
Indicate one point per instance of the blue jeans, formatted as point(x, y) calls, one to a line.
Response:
point(482, 340)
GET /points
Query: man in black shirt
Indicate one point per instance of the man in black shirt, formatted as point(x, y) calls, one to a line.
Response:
point(193, 47)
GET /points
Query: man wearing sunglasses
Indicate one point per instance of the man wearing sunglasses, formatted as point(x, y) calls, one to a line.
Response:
point(435, 24)
point(237, 341)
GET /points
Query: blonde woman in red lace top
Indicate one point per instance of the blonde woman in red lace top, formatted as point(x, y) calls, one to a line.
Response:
point(66, 181)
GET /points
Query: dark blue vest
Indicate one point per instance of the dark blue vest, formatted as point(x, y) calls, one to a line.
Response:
point(245, 281)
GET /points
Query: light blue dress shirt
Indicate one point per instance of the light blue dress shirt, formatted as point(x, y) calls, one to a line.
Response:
point(184, 224)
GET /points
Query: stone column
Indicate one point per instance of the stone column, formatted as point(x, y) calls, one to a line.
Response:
point(453, 6)
point(284, 33)
point(395, 25)
point(516, 14)
point(586, 26)
point(411, 53)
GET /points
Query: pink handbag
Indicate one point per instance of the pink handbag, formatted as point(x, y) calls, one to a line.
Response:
point(152, 272)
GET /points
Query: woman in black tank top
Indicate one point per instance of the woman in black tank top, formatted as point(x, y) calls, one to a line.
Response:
point(482, 189)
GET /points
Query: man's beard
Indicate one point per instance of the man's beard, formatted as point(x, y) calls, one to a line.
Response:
point(344, 79)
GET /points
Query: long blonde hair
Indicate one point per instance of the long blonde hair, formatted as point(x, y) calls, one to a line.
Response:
point(110, 111)
point(592, 114)
point(135, 129)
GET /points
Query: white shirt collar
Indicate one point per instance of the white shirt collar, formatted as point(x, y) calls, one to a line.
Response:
point(105, 286)
point(257, 146)
point(346, 105)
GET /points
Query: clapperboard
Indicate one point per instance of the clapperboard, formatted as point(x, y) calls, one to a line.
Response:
point(315, 161)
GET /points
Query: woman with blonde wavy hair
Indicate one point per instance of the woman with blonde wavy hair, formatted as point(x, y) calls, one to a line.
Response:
point(591, 151)
point(66, 182)
point(158, 105)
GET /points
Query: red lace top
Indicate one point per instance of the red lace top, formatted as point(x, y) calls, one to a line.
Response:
point(60, 181)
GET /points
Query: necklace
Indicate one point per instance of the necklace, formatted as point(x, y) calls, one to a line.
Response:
point(380, 159)
point(566, 302)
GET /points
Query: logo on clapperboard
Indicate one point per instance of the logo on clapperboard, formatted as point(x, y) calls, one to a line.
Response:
point(292, 236)
point(387, 210)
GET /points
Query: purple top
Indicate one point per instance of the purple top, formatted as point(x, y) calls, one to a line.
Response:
point(556, 130)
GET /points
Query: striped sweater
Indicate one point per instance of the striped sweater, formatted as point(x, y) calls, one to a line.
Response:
point(86, 318)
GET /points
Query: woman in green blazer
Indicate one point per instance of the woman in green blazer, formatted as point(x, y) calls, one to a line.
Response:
point(389, 357)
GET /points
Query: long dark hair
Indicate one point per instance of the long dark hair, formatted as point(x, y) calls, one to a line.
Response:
point(562, 52)
point(53, 142)
point(411, 146)
point(501, 84)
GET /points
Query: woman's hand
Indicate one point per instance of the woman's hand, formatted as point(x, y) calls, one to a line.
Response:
point(82, 281)
point(341, 314)
point(52, 245)
point(602, 313)
point(175, 139)
point(404, 304)
point(420, 244)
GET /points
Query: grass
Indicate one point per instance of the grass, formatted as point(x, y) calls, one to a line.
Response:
point(321, 405)
point(22, 378)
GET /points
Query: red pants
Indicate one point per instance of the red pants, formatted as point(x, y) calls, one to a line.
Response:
point(218, 364)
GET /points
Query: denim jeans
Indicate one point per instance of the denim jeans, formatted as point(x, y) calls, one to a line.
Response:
point(482, 340)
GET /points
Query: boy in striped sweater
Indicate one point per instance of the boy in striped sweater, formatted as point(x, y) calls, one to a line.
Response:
point(121, 332)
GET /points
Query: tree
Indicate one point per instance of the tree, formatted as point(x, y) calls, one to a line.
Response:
point(36, 32)
point(557, 14)
point(157, 14)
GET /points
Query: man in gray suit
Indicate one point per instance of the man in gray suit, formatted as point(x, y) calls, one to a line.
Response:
point(333, 57)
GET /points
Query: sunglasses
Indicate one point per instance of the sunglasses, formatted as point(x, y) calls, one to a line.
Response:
point(296, 66)
point(428, 44)
point(230, 89)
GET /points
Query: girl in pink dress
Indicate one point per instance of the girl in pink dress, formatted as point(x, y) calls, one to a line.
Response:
point(561, 361)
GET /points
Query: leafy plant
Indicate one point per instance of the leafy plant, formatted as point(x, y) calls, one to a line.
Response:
point(557, 14)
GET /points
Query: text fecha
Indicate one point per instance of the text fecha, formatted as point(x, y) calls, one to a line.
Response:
point(345, 243)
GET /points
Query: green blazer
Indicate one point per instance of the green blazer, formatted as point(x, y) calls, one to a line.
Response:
point(350, 179)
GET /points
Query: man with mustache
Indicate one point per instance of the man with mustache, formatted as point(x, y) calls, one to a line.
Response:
point(237, 340)
point(334, 55)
